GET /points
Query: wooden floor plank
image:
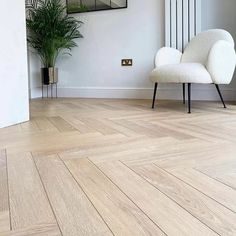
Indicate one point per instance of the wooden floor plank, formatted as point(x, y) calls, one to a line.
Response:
point(170, 131)
point(40, 230)
point(173, 154)
point(44, 124)
point(29, 205)
point(99, 126)
point(212, 188)
point(224, 172)
point(30, 126)
point(208, 211)
point(51, 143)
point(131, 150)
point(112, 144)
point(122, 216)
point(74, 212)
point(155, 204)
point(61, 124)
point(79, 125)
point(4, 202)
point(139, 128)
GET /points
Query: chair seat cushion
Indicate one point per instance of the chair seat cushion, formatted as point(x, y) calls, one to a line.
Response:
point(181, 73)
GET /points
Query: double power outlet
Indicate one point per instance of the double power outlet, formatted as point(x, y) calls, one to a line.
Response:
point(127, 62)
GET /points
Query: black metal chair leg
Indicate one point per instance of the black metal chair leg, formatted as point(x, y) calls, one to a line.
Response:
point(154, 95)
point(184, 94)
point(221, 97)
point(189, 98)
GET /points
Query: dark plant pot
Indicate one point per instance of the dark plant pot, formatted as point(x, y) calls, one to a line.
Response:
point(49, 75)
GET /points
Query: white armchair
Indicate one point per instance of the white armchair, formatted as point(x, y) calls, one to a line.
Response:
point(209, 58)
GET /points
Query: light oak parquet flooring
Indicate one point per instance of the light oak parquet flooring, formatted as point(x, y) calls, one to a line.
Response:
point(4, 197)
point(116, 167)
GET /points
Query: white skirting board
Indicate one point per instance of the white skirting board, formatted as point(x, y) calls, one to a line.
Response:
point(169, 92)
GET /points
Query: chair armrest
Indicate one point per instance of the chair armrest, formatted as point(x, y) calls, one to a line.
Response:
point(167, 56)
point(221, 62)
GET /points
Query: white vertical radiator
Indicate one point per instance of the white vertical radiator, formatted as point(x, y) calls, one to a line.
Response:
point(182, 22)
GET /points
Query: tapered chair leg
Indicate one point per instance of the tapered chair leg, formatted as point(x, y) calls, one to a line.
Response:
point(154, 95)
point(184, 94)
point(221, 97)
point(189, 98)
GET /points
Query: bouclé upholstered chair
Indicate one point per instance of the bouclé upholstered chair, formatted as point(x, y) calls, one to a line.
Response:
point(209, 58)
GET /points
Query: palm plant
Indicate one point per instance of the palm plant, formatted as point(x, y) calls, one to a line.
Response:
point(51, 31)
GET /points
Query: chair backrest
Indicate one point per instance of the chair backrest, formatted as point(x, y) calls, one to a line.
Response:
point(197, 50)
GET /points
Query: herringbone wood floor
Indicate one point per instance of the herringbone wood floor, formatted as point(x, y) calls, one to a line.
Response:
point(115, 167)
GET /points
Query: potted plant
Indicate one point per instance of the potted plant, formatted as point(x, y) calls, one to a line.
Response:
point(51, 32)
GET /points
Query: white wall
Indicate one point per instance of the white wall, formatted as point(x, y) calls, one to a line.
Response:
point(95, 68)
point(14, 107)
point(137, 32)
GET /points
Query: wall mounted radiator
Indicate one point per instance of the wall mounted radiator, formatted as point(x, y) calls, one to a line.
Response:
point(182, 22)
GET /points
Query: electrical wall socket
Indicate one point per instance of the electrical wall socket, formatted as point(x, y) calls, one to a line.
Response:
point(127, 62)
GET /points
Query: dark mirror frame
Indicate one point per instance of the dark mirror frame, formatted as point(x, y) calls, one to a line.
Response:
point(85, 10)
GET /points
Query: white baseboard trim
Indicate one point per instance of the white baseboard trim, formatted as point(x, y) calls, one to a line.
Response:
point(209, 93)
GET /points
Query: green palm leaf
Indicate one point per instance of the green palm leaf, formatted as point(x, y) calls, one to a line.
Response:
point(51, 31)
